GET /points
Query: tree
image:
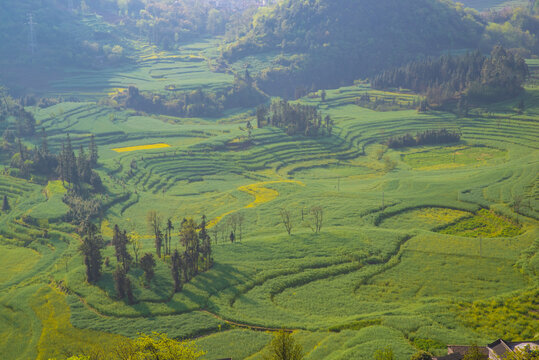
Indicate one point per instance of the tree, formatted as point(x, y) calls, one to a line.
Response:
point(169, 229)
point(189, 239)
point(160, 347)
point(154, 222)
point(175, 271)
point(120, 241)
point(136, 245)
point(94, 156)
point(5, 204)
point(205, 247)
point(261, 114)
point(90, 248)
point(283, 346)
point(473, 353)
point(523, 354)
point(421, 355)
point(384, 354)
point(317, 214)
point(120, 282)
point(147, 264)
point(286, 219)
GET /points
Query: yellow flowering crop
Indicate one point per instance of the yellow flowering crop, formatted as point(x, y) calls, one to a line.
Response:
point(141, 147)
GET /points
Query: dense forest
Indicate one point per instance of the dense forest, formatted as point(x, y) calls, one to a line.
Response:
point(338, 46)
point(475, 76)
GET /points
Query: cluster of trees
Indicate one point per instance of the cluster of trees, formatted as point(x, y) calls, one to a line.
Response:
point(184, 265)
point(194, 103)
point(296, 119)
point(15, 121)
point(75, 170)
point(229, 229)
point(312, 218)
point(427, 137)
point(197, 254)
point(476, 76)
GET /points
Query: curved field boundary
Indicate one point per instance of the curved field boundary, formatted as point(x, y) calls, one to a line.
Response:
point(247, 326)
point(262, 195)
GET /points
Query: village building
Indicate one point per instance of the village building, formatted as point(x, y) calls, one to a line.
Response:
point(498, 350)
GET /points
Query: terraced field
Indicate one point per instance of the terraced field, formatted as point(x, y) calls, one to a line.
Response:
point(412, 241)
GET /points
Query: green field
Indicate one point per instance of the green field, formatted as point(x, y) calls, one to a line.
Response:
point(408, 252)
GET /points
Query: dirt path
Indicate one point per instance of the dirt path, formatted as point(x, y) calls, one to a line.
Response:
point(246, 326)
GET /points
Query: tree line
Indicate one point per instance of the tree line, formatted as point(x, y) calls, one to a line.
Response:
point(296, 119)
point(75, 170)
point(196, 103)
point(473, 76)
point(427, 137)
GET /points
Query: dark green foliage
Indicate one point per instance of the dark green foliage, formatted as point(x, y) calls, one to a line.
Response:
point(92, 244)
point(444, 78)
point(502, 76)
point(123, 284)
point(428, 137)
point(93, 152)
point(189, 239)
point(120, 241)
point(175, 270)
point(205, 245)
point(296, 119)
point(5, 204)
point(147, 264)
point(346, 40)
point(196, 103)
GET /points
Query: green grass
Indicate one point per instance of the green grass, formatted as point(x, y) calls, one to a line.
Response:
point(451, 156)
point(398, 261)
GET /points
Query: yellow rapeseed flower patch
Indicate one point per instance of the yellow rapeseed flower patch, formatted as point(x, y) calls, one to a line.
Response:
point(58, 336)
point(106, 230)
point(262, 195)
point(441, 215)
point(115, 91)
point(141, 147)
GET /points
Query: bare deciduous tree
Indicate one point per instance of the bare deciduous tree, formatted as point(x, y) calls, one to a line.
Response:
point(154, 222)
point(317, 214)
point(287, 220)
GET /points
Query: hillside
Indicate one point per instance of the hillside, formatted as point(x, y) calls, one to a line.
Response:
point(159, 191)
point(337, 42)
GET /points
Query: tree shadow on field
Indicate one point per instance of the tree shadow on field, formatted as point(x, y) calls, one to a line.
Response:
point(219, 278)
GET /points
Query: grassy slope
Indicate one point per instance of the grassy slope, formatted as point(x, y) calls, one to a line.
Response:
point(417, 284)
